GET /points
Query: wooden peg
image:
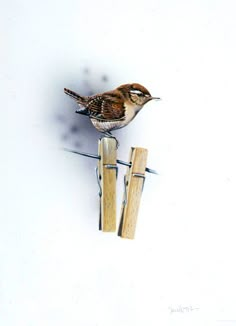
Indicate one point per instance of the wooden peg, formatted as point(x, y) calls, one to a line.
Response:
point(134, 182)
point(107, 170)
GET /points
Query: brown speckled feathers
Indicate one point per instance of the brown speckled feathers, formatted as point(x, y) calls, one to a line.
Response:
point(106, 107)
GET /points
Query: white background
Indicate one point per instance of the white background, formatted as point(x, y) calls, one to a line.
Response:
point(56, 268)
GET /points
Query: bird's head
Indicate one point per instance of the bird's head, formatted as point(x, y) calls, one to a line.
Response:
point(136, 94)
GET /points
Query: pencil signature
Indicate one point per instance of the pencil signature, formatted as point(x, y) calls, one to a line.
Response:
point(182, 309)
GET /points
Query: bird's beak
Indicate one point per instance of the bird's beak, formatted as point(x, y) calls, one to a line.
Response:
point(154, 98)
point(149, 98)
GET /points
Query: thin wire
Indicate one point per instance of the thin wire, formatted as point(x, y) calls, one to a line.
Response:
point(98, 157)
point(83, 153)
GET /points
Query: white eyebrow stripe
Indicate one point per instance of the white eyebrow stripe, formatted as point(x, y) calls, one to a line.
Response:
point(136, 91)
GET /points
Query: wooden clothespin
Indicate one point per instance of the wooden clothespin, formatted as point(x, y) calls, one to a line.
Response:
point(134, 182)
point(107, 173)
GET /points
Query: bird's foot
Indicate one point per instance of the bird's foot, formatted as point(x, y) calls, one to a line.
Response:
point(109, 135)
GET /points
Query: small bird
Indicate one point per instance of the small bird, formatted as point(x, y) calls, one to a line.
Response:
point(113, 109)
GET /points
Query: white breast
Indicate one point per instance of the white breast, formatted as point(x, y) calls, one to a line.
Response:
point(104, 126)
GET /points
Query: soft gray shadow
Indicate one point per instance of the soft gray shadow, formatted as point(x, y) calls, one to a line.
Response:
point(75, 131)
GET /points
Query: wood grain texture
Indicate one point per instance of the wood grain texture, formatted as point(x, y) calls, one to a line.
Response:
point(107, 172)
point(135, 178)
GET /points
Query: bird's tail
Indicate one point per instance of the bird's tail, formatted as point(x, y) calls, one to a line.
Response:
point(73, 94)
point(79, 99)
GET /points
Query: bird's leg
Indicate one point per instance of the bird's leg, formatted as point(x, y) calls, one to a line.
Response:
point(109, 135)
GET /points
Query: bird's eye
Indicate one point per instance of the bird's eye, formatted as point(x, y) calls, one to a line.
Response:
point(137, 92)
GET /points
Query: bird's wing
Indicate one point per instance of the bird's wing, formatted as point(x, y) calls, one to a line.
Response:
point(106, 108)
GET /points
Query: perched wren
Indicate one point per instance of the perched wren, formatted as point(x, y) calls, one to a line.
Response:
point(114, 109)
